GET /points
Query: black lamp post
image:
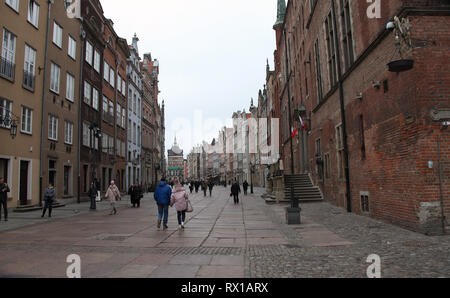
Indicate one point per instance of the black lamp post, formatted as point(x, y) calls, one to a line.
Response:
point(252, 171)
point(13, 129)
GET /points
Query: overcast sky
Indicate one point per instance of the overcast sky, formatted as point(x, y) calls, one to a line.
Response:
point(212, 56)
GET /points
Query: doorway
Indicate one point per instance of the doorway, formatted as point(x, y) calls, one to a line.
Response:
point(23, 188)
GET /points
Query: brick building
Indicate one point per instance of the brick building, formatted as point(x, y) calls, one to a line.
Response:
point(92, 93)
point(374, 142)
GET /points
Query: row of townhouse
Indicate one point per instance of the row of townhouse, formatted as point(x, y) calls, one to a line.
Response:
point(71, 102)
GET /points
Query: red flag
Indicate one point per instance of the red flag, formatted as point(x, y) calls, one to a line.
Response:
point(302, 123)
point(294, 132)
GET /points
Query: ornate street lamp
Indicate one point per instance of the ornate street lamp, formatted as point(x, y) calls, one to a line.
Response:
point(13, 129)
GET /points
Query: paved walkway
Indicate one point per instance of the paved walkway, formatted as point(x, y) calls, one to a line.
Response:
point(221, 240)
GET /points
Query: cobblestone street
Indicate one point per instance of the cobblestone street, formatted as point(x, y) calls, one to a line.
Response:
point(221, 240)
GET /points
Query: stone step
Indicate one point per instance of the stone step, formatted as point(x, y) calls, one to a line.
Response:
point(30, 208)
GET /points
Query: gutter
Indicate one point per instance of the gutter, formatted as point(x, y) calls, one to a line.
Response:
point(50, 2)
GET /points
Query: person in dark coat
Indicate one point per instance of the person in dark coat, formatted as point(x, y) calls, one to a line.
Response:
point(191, 186)
point(92, 196)
point(210, 187)
point(204, 187)
point(162, 195)
point(197, 186)
point(235, 190)
point(135, 193)
point(139, 195)
point(245, 186)
point(49, 197)
point(4, 189)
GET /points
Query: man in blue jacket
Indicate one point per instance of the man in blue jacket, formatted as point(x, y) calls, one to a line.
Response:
point(162, 196)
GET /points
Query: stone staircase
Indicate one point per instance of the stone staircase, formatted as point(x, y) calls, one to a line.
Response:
point(304, 189)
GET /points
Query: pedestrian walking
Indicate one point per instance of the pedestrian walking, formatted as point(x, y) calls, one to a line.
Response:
point(210, 187)
point(179, 200)
point(197, 186)
point(92, 196)
point(235, 190)
point(245, 186)
point(134, 194)
point(4, 189)
point(139, 194)
point(191, 186)
point(49, 197)
point(113, 194)
point(163, 194)
point(204, 187)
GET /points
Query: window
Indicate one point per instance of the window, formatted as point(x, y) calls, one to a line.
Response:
point(29, 67)
point(33, 13)
point(327, 165)
point(70, 87)
point(111, 112)
point(340, 151)
point(124, 153)
point(57, 34)
point(97, 61)
point(119, 84)
point(95, 99)
point(138, 136)
point(318, 71)
point(331, 47)
point(118, 146)
point(134, 133)
point(86, 135)
point(87, 93)
point(105, 108)
point(365, 207)
point(362, 136)
point(347, 35)
point(27, 120)
point(105, 143)
point(111, 145)
point(89, 52)
point(14, 4)
point(111, 77)
point(54, 78)
point(52, 128)
point(124, 117)
point(124, 88)
point(5, 112)
point(68, 128)
point(72, 48)
point(8, 55)
point(118, 115)
point(106, 72)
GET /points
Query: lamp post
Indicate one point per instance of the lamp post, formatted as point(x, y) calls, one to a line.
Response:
point(252, 171)
point(9, 119)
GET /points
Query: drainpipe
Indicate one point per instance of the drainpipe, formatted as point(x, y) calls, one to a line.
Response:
point(50, 2)
point(341, 97)
point(80, 125)
point(443, 219)
point(289, 99)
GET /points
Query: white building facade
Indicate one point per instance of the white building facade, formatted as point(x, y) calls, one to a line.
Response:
point(135, 95)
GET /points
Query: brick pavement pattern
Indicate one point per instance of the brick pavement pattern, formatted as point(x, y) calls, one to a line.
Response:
point(221, 240)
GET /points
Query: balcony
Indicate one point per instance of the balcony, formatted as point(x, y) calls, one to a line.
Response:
point(28, 80)
point(7, 69)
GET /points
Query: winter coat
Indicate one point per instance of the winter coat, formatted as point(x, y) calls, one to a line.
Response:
point(4, 189)
point(49, 194)
point(179, 198)
point(235, 189)
point(163, 193)
point(112, 193)
point(245, 185)
point(92, 192)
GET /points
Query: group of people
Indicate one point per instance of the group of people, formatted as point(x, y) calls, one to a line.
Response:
point(165, 197)
point(205, 186)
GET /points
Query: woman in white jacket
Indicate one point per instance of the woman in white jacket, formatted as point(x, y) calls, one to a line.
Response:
point(179, 200)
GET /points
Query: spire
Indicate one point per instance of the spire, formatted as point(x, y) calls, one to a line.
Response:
point(175, 141)
point(251, 102)
point(135, 41)
point(281, 12)
point(267, 65)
